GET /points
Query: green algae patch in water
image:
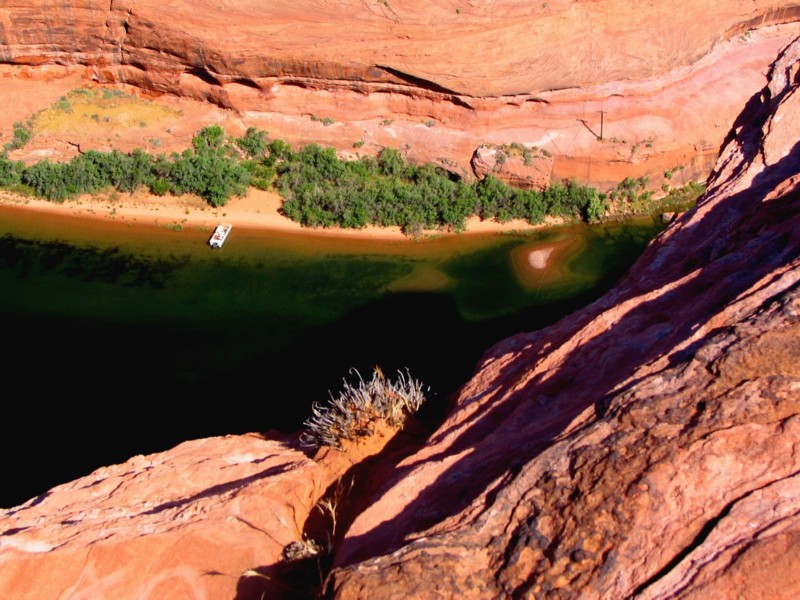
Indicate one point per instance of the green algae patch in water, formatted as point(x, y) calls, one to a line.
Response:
point(548, 267)
point(612, 248)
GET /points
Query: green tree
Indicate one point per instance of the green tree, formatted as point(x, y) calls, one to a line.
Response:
point(22, 135)
point(48, 179)
point(138, 172)
point(209, 139)
point(210, 171)
point(596, 209)
point(10, 171)
point(391, 162)
point(253, 142)
point(279, 150)
point(493, 196)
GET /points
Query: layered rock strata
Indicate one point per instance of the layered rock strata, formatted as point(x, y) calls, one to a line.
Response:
point(473, 49)
point(608, 94)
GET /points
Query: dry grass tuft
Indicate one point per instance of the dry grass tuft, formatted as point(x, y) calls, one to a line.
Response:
point(352, 414)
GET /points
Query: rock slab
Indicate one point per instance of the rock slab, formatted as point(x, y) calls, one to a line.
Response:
point(186, 523)
point(605, 95)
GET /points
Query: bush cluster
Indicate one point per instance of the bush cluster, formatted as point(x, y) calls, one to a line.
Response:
point(320, 189)
point(212, 169)
point(358, 407)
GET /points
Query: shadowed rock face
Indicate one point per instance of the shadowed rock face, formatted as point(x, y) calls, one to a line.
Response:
point(648, 444)
point(438, 79)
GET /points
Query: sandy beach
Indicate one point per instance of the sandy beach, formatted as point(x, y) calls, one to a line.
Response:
point(257, 210)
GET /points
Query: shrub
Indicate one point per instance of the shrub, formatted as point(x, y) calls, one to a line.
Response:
point(279, 150)
point(261, 173)
point(595, 209)
point(391, 162)
point(10, 171)
point(527, 157)
point(47, 179)
point(324, 120)
point(159, 187)
point(252, 143)
point(352, 414)
point(493, 197)
point(63, 105)
point(209, 139)
point(138, 171)
point(210, 171)
point(22, 134)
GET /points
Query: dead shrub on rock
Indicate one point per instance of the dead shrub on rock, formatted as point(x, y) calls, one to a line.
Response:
point(358, 407)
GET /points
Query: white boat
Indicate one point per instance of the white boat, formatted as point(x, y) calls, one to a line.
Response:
point(220, 235)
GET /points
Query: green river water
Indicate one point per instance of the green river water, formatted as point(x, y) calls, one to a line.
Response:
point(130, 339)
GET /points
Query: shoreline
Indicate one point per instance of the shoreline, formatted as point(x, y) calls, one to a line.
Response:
point(257, 210)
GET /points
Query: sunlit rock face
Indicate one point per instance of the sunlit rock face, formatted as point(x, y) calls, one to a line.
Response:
point(477, 49)
point(238, 517)
point(186, 523)
point(647, 444)
point(607, 93)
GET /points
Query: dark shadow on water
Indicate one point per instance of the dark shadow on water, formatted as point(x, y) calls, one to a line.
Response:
point(86, 394)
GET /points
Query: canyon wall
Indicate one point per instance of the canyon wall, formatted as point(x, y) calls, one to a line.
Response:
point(645, 446)
point(605, 92)
point(471, 49)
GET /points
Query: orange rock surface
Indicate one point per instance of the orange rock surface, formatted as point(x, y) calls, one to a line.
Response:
point(437, 80)
point(186, 523)
point(647, 445)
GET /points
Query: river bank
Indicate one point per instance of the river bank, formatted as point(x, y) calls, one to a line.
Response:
point(258, 210)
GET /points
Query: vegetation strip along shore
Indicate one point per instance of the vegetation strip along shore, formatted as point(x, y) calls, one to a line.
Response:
point(321, 190)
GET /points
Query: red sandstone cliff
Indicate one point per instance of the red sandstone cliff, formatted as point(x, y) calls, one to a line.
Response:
point(648, 445)
point(438, 80)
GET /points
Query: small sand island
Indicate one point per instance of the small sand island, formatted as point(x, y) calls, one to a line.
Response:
point(538, 258)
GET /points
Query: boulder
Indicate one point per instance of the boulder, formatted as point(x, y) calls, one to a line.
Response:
point(518, 165)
